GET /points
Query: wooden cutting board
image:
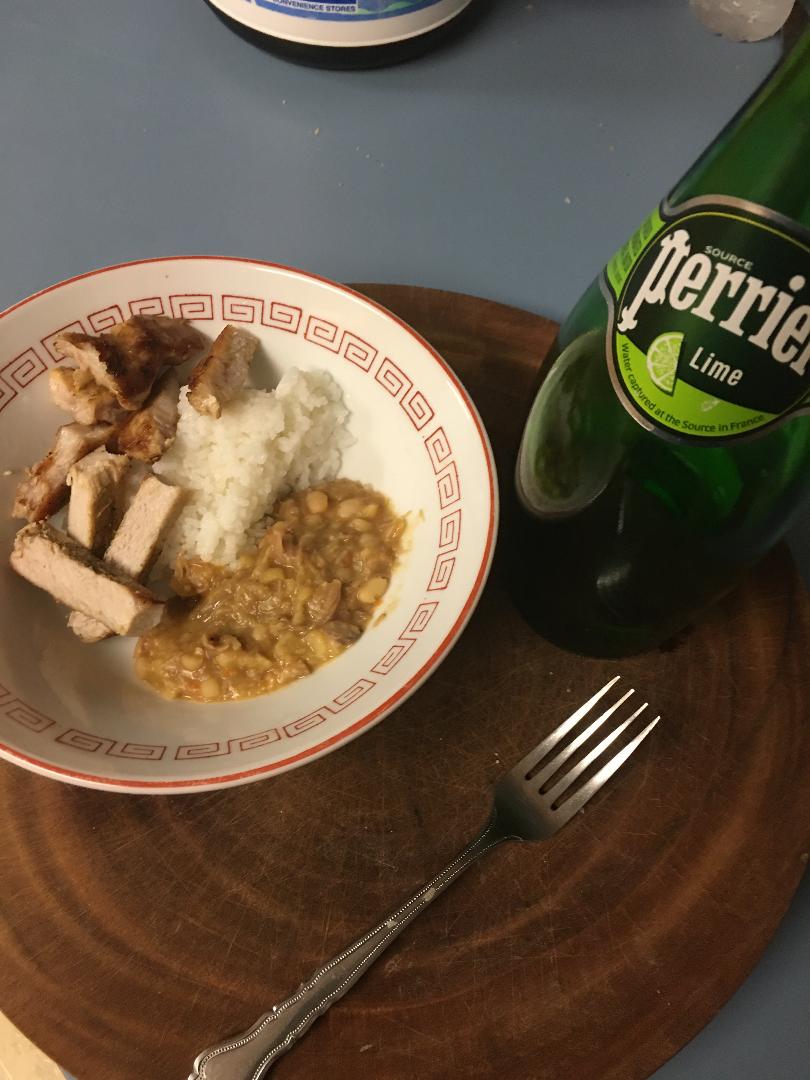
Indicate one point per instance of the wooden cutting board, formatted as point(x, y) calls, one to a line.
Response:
point(138, 930)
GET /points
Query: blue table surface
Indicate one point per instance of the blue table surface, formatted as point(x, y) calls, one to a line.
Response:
point(510, 165)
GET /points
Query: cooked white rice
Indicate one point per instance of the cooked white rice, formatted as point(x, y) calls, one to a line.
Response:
point(234, 468)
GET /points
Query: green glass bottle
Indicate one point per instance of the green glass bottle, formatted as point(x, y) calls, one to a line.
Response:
point(669, 442)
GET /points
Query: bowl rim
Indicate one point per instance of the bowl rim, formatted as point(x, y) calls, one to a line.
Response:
point(244, 776)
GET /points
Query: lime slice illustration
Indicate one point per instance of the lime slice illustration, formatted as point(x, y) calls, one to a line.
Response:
point(662, 360)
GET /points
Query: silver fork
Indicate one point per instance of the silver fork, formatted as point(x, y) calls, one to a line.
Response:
point(526, 808)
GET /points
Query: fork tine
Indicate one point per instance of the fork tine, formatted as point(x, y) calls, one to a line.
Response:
point(538, 779)
point(600, 778)
point(566, 781)
point(547, 745)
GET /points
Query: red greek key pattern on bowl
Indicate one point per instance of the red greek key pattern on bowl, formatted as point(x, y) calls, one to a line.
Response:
point(23, 369)
point(450, 531)
point(253, 741)
point(449, 486)
point(259, 738)
point(147, 305)
point(441, 457)
point(442, 572)
point(245, 309)
point(283, 317)
point(252, 309)
point(439, 449)
point(47, 342)
point(202, 750)
point(357, 351)
point(421, 617)
point(306, 723)
point(83, 740)
point(407, 639)
point(104, 319)
point(323, 333)
point(290, 731)
point(418, 409)
point(392, 378)
point(23, 714)
point(338, 704)
point(18, 373)
point(192, 305)
point(142, 751)
point(93, 744)
point(389, 661)
point(354, 693)
point(346, 344)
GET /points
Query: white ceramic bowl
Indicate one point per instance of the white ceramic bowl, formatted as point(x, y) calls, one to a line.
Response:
point(78, 713)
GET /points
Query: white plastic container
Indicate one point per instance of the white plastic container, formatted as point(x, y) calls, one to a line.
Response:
point(346, 33)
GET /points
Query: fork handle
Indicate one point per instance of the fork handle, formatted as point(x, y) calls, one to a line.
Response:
point(250, 1055)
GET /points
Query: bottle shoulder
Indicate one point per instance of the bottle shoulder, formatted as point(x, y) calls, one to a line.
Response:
point(761, 155)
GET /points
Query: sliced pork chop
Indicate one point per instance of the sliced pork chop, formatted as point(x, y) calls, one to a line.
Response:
point(128, 377)
point(43, 489)
point(143, 529)
point(94, 483)
point(74, 391)
point(88, 629)
point(52, 561)
point(220, 375)
point(150, 431)
point(130, 485)
point(136, 543)
point(174, 338)
point(127, 358)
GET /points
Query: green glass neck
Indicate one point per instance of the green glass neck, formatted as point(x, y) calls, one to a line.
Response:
point(763, 155)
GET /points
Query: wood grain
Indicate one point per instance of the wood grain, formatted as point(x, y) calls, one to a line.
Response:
point(138, 930)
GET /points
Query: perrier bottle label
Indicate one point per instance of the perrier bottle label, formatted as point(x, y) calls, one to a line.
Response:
point(708, 332)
